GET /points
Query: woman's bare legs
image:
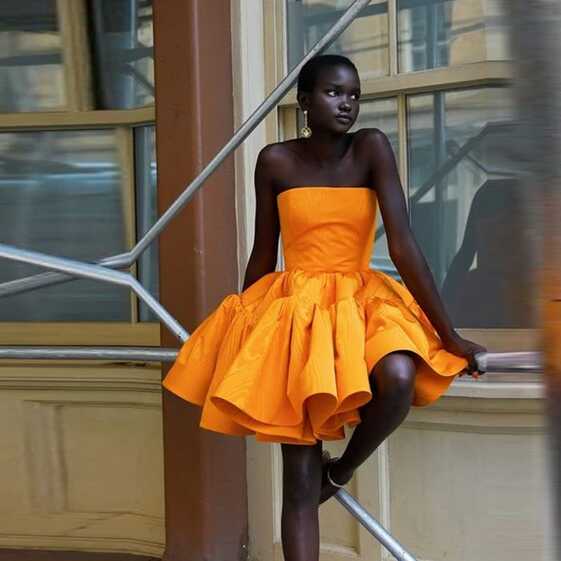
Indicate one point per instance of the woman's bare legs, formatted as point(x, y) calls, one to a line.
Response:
point(392, 381)
point(301, 484)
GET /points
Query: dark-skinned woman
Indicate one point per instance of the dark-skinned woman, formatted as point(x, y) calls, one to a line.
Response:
point(328, 342)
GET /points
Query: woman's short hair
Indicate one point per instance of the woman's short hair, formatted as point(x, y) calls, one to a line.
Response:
point(310, 71)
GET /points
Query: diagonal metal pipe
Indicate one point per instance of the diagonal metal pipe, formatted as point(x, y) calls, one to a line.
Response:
point(126, 259)
point(373, 526)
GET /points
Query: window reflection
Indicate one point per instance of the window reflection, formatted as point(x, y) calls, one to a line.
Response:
point(466, 201)
point(122, 43)
point(365, 41)
point(62, 193)
point(435, 33)
point(31, 66)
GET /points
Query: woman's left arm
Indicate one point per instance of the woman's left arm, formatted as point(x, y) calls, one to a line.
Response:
point(404, 250)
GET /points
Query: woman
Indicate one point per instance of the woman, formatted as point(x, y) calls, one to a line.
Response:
point(328, 342)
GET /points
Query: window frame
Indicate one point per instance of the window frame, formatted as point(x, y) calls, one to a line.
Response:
point(399, 85)
point(79, 114)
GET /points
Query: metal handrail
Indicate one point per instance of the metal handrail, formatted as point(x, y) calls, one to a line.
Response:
point(96, 272)
point(124, 354)
point(486, 362)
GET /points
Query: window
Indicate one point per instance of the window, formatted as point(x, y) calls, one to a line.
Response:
point(76, 181)
point(56, 188)
point(450, 126)
point(466, 204)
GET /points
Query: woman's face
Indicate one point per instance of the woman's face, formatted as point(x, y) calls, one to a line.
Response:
point(334, 104)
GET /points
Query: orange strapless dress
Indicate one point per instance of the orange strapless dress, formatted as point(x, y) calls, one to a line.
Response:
point(288, 359)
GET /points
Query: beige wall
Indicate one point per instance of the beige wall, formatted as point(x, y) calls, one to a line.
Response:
point(462, 480)
point(81, 459)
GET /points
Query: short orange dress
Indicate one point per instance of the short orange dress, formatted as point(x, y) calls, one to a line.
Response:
point(288, 359)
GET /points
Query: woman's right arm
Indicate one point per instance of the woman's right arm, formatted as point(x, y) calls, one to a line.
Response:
point(263, 258)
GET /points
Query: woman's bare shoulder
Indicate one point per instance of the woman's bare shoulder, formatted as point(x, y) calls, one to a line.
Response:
point(280, 150)
point(277, 157)
point(367, 135)
point(372, 145)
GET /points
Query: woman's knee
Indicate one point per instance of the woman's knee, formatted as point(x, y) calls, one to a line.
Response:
point(394, 376)
point(301, 474)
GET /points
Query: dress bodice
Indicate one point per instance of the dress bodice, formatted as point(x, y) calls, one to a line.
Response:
point(327, 228)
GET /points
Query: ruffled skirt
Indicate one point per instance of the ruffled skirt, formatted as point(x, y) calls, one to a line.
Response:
point(288, 359)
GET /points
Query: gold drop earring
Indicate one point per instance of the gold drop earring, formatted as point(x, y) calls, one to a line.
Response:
point(306, 131)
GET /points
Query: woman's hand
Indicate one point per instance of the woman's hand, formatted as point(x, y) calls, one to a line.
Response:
point(468, 349)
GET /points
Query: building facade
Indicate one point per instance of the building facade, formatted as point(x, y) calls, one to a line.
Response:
point(109, 109)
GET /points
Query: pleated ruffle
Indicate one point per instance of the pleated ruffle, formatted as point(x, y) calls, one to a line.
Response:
point(288, 359)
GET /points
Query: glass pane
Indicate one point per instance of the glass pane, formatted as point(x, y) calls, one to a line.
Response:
point(365, 41)
point(31, 67)
point(62, 193)
point(466, 203)
point(434, 33)
point(123, 44)
point(147, 213)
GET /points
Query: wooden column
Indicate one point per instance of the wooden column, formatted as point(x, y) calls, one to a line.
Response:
point(205, 472)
